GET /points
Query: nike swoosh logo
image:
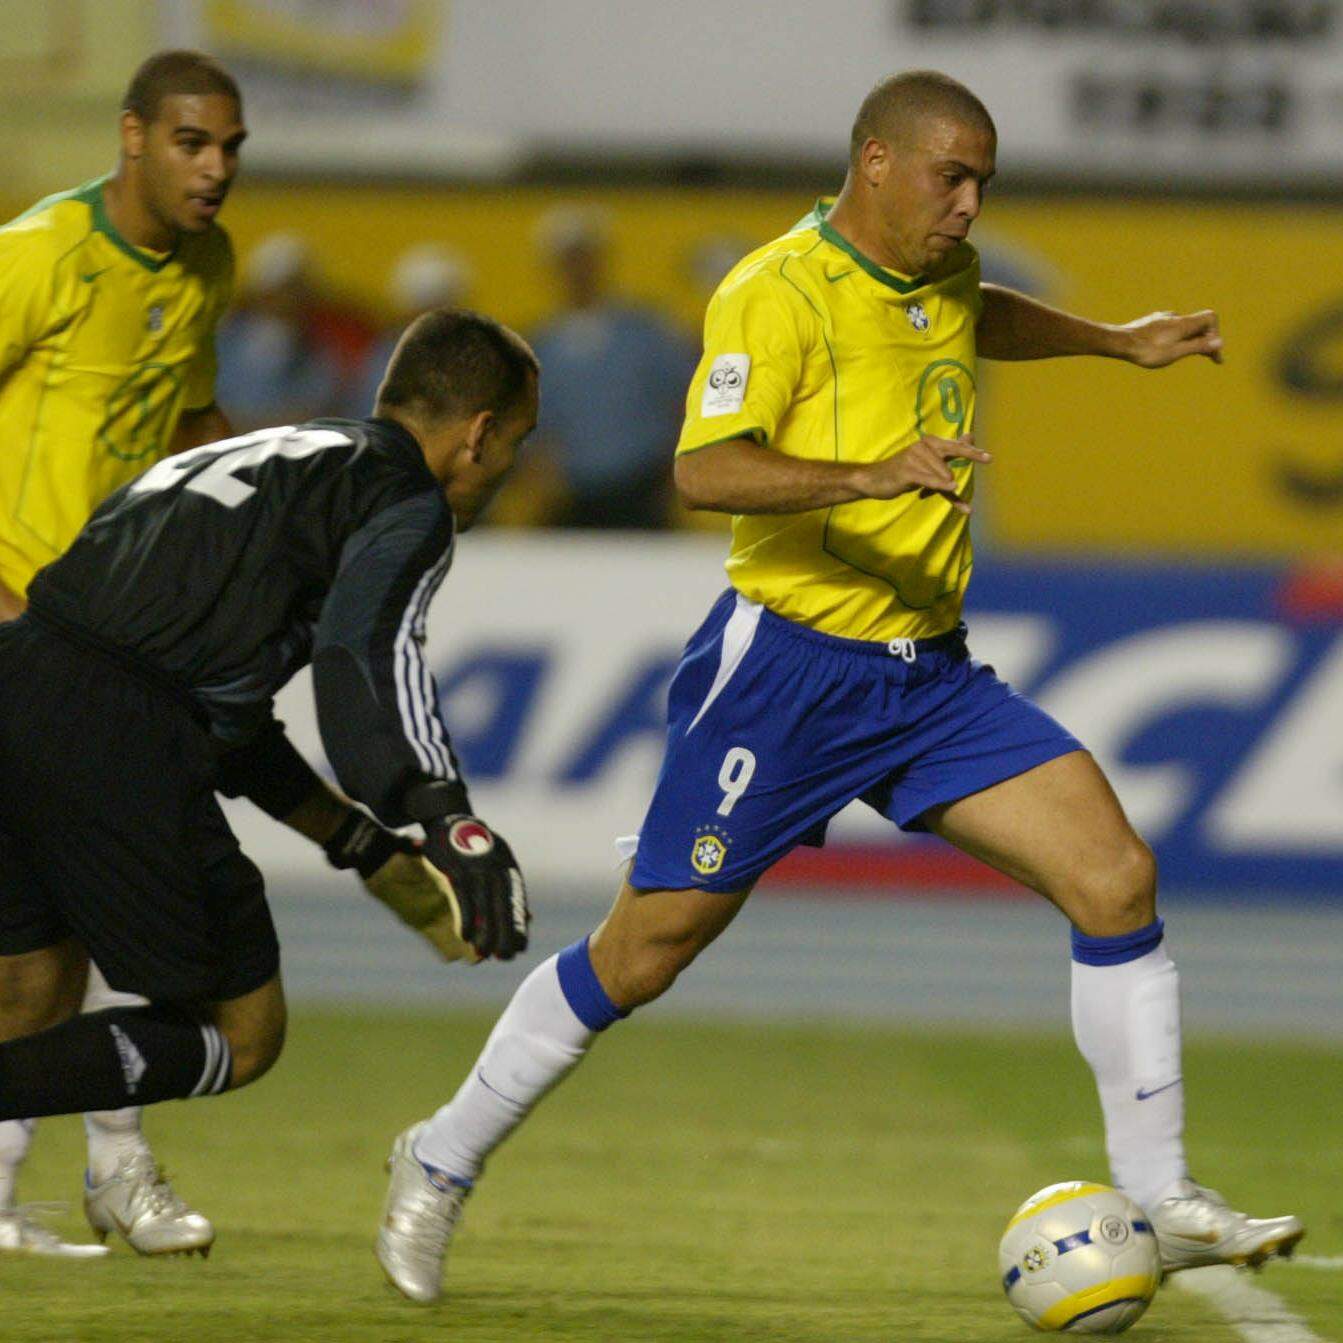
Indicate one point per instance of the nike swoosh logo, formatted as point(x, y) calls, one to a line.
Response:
point(1141, 1095)
point(839, 276)
point(93, 275)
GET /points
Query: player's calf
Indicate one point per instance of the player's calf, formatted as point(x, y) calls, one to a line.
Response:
point(651, 936)
point(106, 1060)
point(253, 1027)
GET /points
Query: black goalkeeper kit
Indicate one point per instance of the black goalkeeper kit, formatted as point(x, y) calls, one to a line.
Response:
point(142, 680)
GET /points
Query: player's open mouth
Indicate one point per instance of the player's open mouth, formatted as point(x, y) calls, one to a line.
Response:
point(207, 205)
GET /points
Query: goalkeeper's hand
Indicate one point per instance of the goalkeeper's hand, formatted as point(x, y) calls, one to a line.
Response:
point(488, 889)
point(394, 871)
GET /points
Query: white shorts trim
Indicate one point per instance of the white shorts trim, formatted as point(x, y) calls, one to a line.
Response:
point(738, 634)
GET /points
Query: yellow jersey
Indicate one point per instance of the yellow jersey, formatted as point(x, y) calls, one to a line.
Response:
point(813, 349)
point(102, 346)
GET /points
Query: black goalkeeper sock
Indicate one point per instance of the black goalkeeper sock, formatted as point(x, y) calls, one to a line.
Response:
point(106, 1060)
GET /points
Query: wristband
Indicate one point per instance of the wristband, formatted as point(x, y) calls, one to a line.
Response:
point(433, 799)
point(363, 844)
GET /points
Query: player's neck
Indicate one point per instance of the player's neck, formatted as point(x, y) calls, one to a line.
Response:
point(131, 218)
point(861, 228)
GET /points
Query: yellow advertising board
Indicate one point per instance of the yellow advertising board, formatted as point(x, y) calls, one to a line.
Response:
point(1242, 458)
point(1245, 458)
point(389, 41)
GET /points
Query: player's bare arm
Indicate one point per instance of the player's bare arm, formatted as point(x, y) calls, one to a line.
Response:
point(11, 604)
point(740, 476)
point(209, 424)
point(1015, 326)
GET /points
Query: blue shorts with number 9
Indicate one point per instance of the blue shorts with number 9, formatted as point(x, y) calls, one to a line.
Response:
point(774, 727)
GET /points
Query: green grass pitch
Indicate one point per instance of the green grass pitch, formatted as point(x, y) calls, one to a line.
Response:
point(693, 1182)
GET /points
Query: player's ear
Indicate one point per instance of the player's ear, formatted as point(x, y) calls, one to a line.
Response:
point(132, 135)
point(874, 159)
point(478, 429)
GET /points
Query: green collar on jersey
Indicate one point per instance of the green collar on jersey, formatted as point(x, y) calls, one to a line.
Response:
point(91, 193)
point(835, 239)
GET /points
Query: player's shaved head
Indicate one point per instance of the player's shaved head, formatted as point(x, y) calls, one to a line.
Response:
point(451, 363)
point(897, 105)
point(170, 73)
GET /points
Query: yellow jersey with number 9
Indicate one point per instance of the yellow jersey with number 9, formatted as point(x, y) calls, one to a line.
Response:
point(814, 350)
point(102, 346)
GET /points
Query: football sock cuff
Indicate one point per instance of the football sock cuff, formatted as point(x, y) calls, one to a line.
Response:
point(218, 1068)
point(106, 1060)
point(1089, 950)
point(583, 990)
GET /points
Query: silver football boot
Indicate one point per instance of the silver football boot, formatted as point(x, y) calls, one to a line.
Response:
point(421, 1214)
point(1195, 1227)
point(22, 1233)
point(139, 1204)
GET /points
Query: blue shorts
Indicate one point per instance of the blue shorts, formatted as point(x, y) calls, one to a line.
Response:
point(774, 727)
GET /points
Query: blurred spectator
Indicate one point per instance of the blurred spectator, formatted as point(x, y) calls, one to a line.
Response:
point(710, 259)
point(424, 276)
point(288, 347)
point(614, 378)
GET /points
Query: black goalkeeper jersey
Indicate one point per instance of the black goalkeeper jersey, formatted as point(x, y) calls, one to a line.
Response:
point(225, 569)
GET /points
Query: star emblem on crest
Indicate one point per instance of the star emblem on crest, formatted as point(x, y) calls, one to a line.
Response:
point(708, 851)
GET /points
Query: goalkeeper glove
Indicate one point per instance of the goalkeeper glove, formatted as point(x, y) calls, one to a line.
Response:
point(395, 872)
point(488, 888)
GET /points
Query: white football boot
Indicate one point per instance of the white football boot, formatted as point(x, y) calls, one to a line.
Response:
point(139, 1204)
point(22, 1233)
point(422, 1212)
point(1195, 1228)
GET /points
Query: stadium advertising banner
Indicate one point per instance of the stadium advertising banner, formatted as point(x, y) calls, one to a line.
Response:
point(1201, 90)
point(1242, 459)
point(1213, 697)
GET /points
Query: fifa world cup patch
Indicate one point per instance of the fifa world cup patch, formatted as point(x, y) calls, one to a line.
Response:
point(725, 387)
point(708, 850)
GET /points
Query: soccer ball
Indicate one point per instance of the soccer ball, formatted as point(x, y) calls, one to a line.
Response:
point(1080, 1257)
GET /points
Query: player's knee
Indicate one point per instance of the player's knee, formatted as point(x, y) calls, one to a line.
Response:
point(1120, 895)
point(255, 1045)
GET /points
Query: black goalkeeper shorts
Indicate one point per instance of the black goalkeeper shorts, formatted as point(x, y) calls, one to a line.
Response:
point(110, 831)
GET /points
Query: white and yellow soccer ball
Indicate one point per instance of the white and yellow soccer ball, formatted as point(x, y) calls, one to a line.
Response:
point(1080, 1258)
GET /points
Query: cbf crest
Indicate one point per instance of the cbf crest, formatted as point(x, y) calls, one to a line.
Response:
point(708, 850)
point(154, 319)
point(917, 316)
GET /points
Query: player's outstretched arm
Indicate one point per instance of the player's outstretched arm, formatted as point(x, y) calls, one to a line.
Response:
point(740, 476)
point(381, 725)
point(1013, 325)
point(271, 773)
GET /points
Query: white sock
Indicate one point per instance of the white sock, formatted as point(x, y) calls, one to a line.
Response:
point(1126, 1020)
point(111, 1134)
point(539, 1039)
point(16, 1136)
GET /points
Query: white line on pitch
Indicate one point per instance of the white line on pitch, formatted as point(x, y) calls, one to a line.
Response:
point(1255, 1314)
point(1324, 1261)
